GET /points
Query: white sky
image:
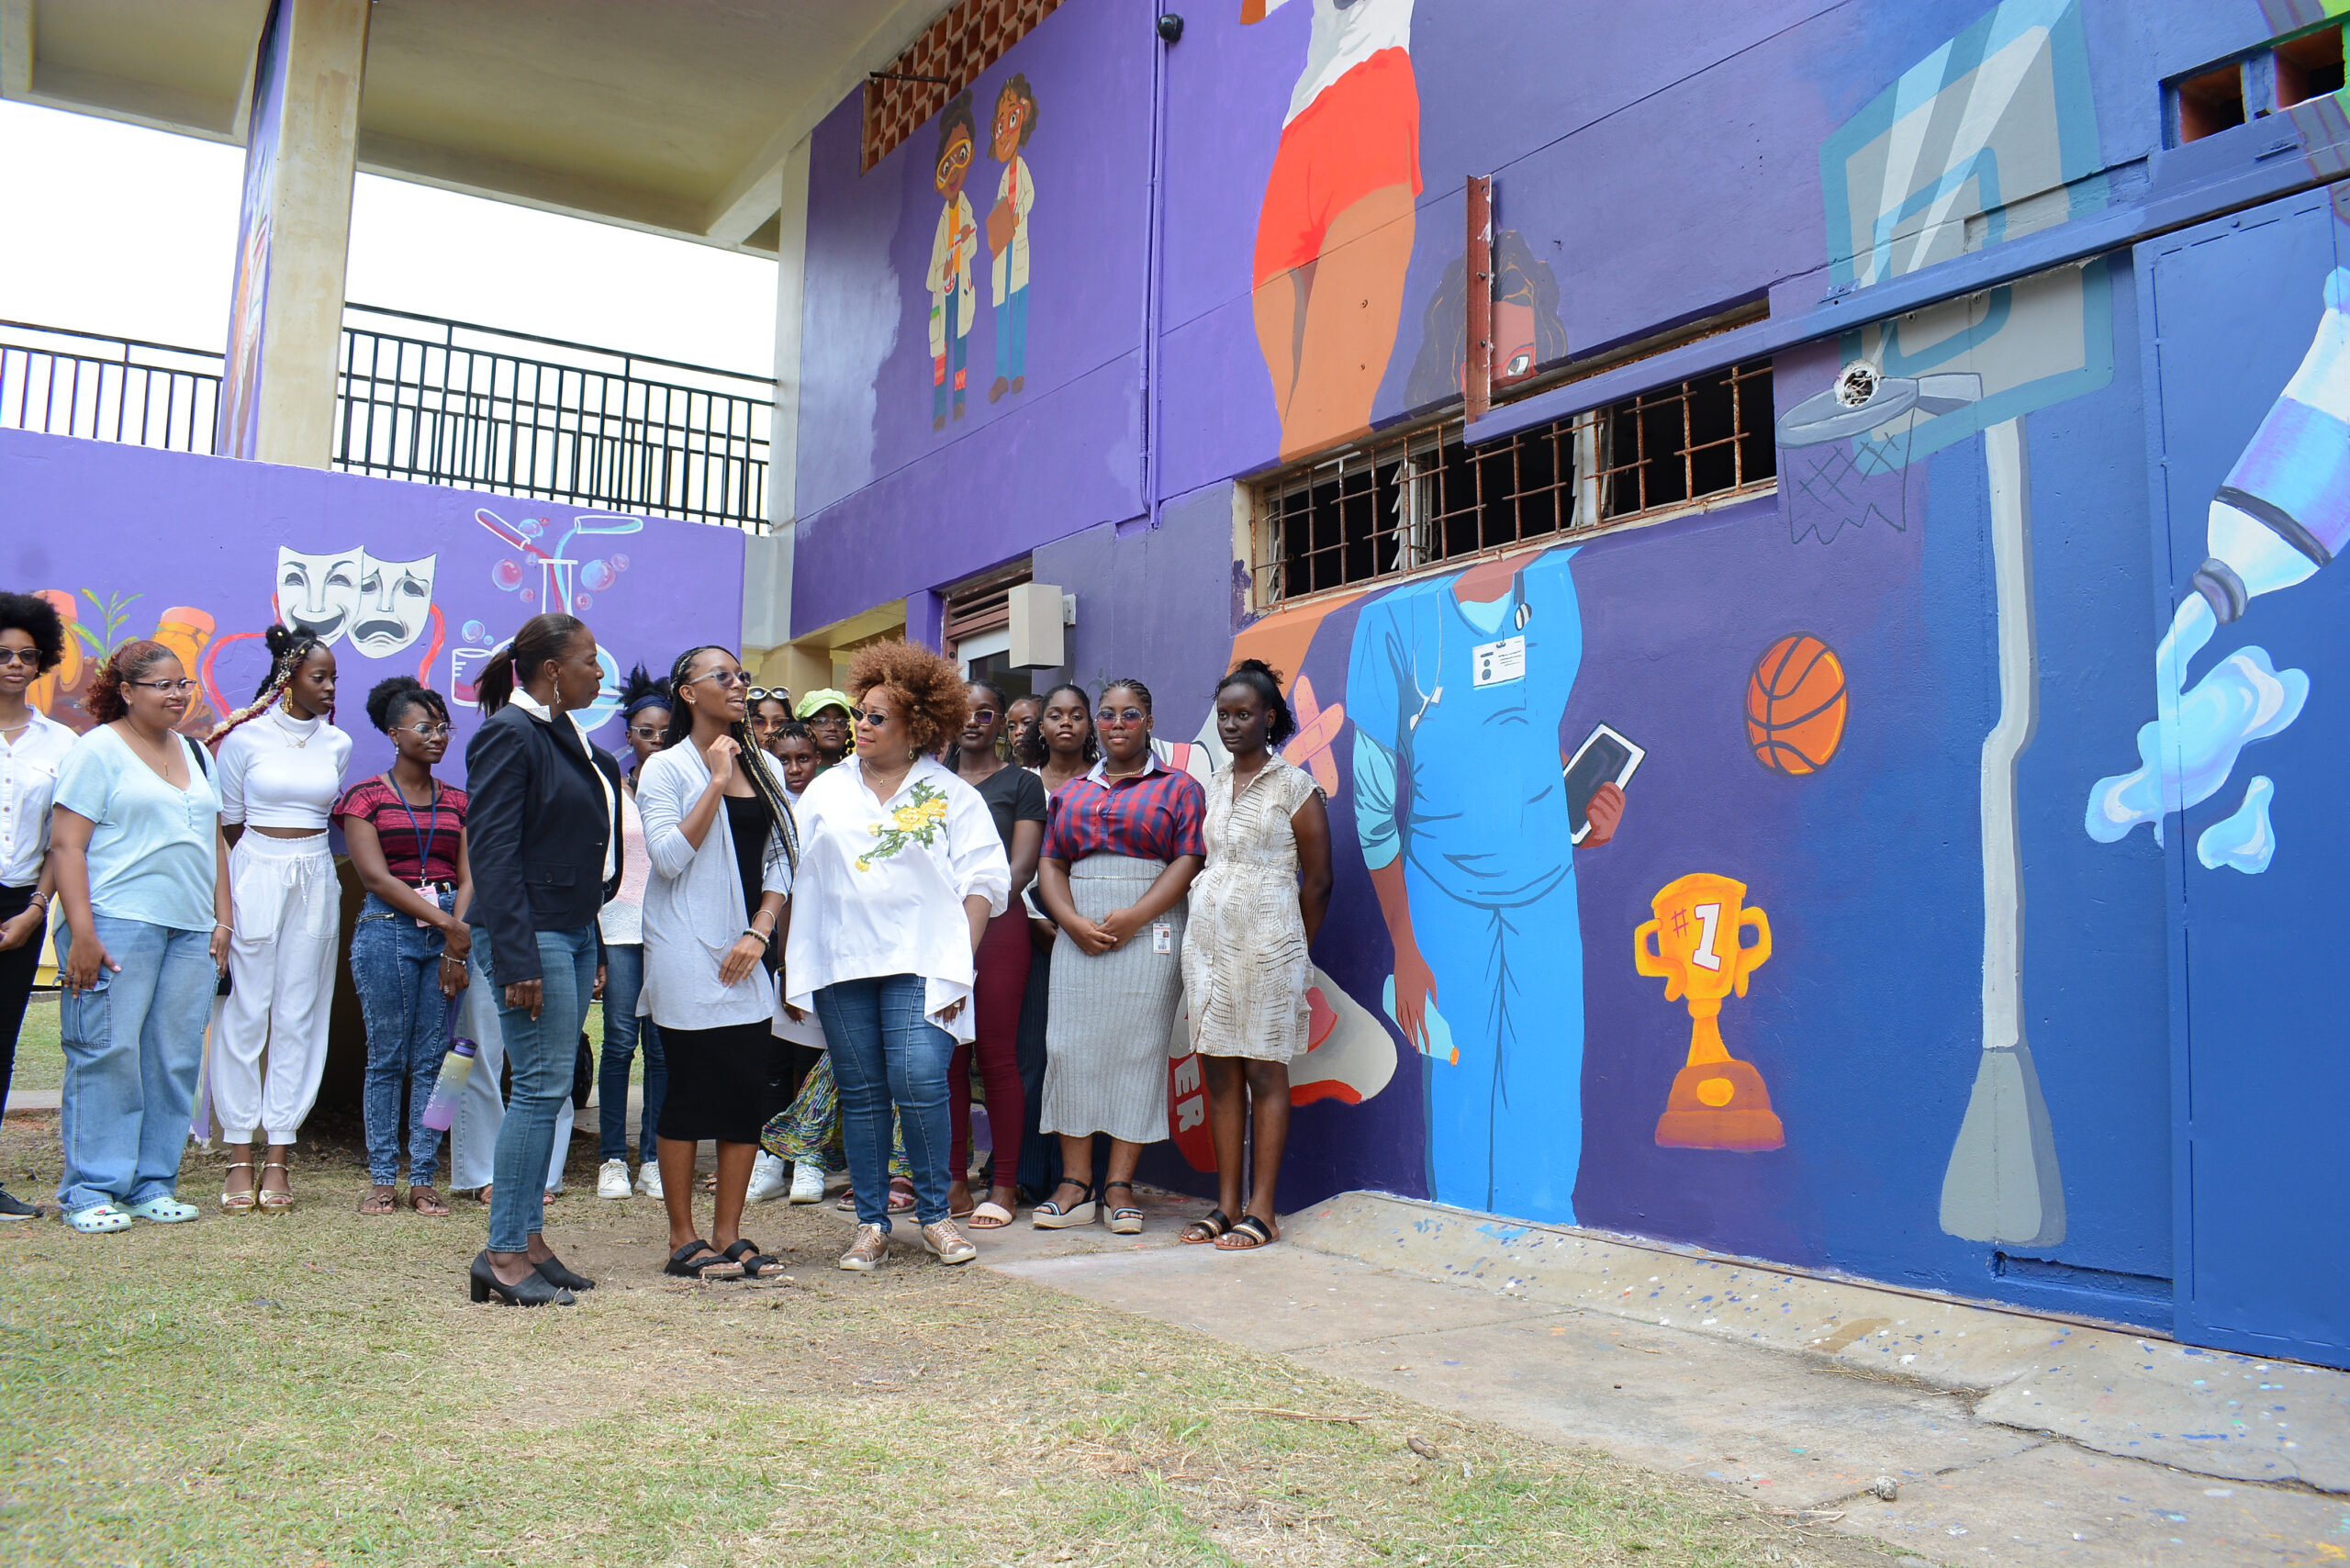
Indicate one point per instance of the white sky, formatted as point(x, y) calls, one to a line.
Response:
point(117, 229)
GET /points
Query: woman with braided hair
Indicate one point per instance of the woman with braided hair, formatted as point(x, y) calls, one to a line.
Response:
point(282, 762)
point(723, 849)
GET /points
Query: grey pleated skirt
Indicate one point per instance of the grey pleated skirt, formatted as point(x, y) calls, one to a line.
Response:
point(1105, 1064)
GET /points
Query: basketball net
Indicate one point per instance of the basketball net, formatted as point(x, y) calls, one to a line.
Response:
point(1850, 484)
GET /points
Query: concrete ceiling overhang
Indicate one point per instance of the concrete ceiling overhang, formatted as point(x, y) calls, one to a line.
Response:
point(670, 116)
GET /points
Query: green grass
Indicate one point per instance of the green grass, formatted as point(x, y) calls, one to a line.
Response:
point(314, 1389)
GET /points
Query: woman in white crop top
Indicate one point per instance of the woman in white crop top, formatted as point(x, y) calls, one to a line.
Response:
point(282, 763)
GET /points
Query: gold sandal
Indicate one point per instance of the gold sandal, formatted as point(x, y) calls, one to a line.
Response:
point(276, 1203)
point(238, 1203)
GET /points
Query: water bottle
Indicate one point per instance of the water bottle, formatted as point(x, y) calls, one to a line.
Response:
point(441, 1109)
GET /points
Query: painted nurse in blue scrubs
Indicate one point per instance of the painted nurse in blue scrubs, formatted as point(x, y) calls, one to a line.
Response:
point(1457, 687)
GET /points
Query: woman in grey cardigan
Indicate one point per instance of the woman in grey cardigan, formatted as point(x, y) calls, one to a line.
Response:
point(719, 833)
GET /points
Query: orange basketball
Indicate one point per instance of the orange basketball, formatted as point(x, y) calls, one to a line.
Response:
point(1795, 705)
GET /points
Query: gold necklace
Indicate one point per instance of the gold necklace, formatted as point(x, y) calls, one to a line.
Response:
point(296, 743)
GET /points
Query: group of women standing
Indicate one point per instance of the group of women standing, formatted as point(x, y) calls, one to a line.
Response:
point(934, 910)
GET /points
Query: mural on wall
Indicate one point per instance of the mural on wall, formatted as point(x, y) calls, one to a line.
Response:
point(2283, 512)
point(1015, 198)
point(237, 419)
point(1348, 1059)
point(1526, 330)
point(954, 247)
point(92, 639)
point(1457, 687)
point(1334, 234)
point(1796, 705)
point(1696, 944)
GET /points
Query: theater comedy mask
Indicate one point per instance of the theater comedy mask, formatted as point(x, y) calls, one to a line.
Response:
point(319, 593)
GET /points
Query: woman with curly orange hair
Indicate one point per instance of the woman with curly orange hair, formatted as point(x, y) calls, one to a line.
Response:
point(900, 869)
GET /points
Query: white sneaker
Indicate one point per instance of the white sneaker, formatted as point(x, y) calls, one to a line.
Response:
point(612, 1179)
point(807, 1181)
point(769, 1181)
point(648, 1180)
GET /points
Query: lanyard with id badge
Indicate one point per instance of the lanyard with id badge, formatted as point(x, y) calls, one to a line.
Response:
point(425, 837)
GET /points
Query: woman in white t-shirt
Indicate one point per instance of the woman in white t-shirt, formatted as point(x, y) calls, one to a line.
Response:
point(282, 762)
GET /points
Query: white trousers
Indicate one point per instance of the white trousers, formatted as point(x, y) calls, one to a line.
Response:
point(473, 1143)
point(285, 906)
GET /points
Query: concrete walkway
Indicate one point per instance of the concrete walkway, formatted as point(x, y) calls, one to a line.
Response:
point(2012, 1438)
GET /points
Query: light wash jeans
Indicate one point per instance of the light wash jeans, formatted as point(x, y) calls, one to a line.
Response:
point(542, 1051)
point(481, 1109)
point(397, 968)
point(624, 1032)
point(885, 1048)
point(133, 1043)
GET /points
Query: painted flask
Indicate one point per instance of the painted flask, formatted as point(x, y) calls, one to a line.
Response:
point(2284, 508)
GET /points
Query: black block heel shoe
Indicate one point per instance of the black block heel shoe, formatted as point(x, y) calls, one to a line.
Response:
point(552, 1270)
point(534, 1290)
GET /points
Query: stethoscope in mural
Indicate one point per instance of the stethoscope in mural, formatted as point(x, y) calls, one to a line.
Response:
point(1520, 613)
point(566, 585)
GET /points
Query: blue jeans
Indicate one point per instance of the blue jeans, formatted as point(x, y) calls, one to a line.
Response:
point(397, 968)
point(884, 1049)
point(133, 1043)
point(540, 1052)
point(624, 1032)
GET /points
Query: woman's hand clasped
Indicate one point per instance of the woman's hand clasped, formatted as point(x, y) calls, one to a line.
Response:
point(14, 933)
point(740, 958)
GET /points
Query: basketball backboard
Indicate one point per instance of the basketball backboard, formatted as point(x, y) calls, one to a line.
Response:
point(1989, 138)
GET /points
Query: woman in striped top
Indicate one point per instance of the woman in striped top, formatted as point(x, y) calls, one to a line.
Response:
point(1124, 844)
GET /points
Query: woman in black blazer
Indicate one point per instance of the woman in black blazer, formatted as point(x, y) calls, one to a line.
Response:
point(542, 833)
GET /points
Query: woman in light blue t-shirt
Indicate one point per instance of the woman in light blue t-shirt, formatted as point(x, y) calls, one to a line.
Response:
point(142, 874)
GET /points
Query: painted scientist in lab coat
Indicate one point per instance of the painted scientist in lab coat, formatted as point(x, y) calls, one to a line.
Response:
point(1015, 193)
point(1457, 686)
point(953, 249)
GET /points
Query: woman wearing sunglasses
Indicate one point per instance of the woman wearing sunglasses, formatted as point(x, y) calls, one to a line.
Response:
point(902, 871)
point(1125, 843)
point(135, 846)
point(32, 747)
point(768, 710)
point(406, 832)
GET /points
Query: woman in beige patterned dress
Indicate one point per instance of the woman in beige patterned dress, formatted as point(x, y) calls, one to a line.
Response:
point(1254, 913)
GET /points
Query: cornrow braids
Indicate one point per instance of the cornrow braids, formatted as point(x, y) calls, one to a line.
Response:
point(1129, 684)
point(681, 718)
point(288, 646)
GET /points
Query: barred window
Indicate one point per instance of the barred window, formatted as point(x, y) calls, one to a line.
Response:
point(1426, 497)
point(947, 59)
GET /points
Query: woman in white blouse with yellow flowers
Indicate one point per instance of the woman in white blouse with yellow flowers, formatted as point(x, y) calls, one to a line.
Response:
point(900, 869)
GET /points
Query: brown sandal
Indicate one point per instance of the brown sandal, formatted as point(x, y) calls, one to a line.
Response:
point(1246, 1234)
point(425, 1201)
point(380, 1200)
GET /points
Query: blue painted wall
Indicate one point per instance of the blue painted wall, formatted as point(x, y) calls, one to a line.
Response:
point(1657, 165)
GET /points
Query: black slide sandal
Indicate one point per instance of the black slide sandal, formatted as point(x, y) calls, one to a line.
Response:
point(715, 1266)
point(1207, 1228)
point(755, 1264)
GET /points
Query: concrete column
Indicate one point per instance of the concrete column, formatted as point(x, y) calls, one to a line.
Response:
point(285, 324)
point(783, 431)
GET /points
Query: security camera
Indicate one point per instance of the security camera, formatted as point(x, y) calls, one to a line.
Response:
point(1170, 27)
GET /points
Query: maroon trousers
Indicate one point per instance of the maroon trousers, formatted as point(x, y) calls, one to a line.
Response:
point(1002, 964)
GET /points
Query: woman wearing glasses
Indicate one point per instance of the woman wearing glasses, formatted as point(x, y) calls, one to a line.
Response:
point(141, 866)
point(719, 835)
point(901, 872)
point(645, 709)
point(32, 747)
point(406, 832)
point(1016, 802)
point(1125, 843)
point(282, 761)
point(768, 710)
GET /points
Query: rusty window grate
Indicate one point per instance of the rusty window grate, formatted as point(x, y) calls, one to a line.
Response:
point(971, 36)
point(1424, 497)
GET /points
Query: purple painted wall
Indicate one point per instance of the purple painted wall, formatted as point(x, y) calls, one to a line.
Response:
point(404, 579)
point(1653, 165)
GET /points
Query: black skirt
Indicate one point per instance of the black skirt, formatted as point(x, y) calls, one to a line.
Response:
point(718, 1081)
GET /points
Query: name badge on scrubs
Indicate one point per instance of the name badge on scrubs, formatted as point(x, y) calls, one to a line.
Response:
point(1163, 937)
point(1497, 664)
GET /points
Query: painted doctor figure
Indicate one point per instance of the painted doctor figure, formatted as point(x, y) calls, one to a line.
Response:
point(953, 249)
point(1457, 687)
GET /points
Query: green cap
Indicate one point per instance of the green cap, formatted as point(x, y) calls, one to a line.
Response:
point(821, 699)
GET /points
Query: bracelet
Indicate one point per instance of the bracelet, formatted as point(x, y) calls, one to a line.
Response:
point(224, 925)
point(754, 932)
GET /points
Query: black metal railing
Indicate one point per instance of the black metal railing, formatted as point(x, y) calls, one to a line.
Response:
point(454, 403)
point(123, 389)
point(445, 402)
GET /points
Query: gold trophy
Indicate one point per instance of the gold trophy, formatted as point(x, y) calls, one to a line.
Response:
point(1694, 946)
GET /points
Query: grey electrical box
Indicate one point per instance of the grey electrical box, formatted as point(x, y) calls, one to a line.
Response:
point(1036, 611)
